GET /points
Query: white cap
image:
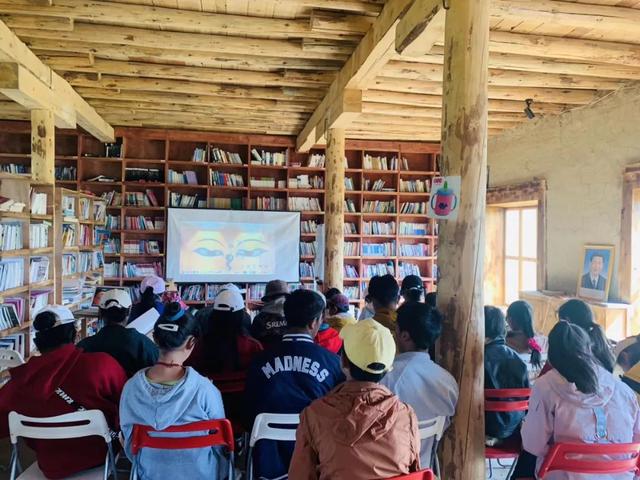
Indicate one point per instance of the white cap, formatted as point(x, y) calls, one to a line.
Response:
point(115, 298)
point(232, 286)
point(229, 300)
point(154, 282)
point(62, 313)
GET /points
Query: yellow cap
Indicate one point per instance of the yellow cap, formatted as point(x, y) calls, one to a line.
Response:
point(367, 343)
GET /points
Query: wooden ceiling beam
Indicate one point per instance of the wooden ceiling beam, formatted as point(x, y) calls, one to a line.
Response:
point(33, 84)
point(38, 21)
point(368, 59)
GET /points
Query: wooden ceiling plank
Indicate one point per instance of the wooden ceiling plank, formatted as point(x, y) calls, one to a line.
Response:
point(38, 21)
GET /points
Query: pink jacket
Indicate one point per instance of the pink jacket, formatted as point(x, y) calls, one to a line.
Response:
point(558, 412)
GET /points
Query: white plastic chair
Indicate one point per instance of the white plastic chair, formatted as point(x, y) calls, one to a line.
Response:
point(433, 428)
point(10, 359)
point(263, 429)
point(39, 428)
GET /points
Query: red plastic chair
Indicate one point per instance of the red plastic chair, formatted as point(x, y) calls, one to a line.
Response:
point(220, 434)
point(421, 475)
point(502, 400)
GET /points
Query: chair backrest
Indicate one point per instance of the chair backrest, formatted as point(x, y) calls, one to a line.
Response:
point(233, 382)
point(10, 359)
point(86, 423)
point(264, 429)
point(511, 400)
point(432, 428)
point(569, 457)
point(219, 433)
point(421, 475)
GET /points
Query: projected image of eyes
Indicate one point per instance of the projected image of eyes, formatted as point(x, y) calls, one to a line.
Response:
point(207, 248)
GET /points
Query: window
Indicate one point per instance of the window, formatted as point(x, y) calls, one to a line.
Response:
point(520, 251)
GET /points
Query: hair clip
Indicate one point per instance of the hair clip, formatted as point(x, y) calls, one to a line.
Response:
point(176, 316)
point(169, 327)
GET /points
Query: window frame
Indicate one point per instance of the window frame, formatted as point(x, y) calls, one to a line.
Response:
point(520, 258)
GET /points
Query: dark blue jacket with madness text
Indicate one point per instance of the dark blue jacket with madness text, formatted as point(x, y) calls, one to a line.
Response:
point(287, 379)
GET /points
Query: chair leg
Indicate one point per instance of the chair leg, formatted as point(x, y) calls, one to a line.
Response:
point(513, 467)
point(250, 463)
point(111, 462)
point(232, 470)
point(490, 469)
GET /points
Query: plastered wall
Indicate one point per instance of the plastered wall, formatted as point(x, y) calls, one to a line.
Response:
point(582, 154)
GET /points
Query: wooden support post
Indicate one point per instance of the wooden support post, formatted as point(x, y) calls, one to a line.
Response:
point(461, 242)
point(334, 215)
point(43, 146)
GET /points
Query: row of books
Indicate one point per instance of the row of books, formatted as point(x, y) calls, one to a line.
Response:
point(182, 200)
point(38, 203)
point(263, 182)
point(69, 264)
point(377, 186)
point(10, 236)
point(88, 261)
point(113, 222)
point(112, 246)
point(313, 182)
point(68, 206)
point(349, 206)
point(377, 206)
point(69, 235)
point(142, 199)
point(317, 160)
point(66, 173)
point(378, 162)
point(405, 269)
point(187, 177)
point(308, 226)
point(307, 270)
point(407, 228)
point(414, 207)
point(111, 270)
point(85, 236)
point(304, 204)
point(132, 270)
point(221, 179)
point(11, 273)
point(112, 199)
point(380, 269)
point(84, 208)
point(352, 293)
point(417, 250)
point(308, 249)
point(350, 228)
point(267, 203)
point(269, 158)
point(137, 174)
point(38, 269)
point(416, 186)
point(143, 223)
point(18, 306)
point(8, 317)
point(348, 184)
point(220, 156)
point(387, 249)
point(99, 211)
point(350, 271)
point(39, 234)
point(351, 249)
point(379, 228)
point(100, 236)
point(15, 168)
point(11, 205)
point(192, 293)
point(199, 155)
point(139, 247)
point(227, 203)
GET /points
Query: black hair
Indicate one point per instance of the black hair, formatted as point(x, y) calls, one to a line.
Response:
point(221, 339)
point(187, 327)
point(332, 292)
point(571, 355)
point(422, 322)
point(412, 295)
point(148, 299)
point(362, 376)
point(48, 338)
point(494, 323)
point(431, 299)
point(521, 315)
point(579, 313)
point(115, 314)
point(384, 289)
point(631, 353)
point(302, 307)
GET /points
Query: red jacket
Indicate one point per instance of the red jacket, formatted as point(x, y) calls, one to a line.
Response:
point(92, 380)
point(329, 338)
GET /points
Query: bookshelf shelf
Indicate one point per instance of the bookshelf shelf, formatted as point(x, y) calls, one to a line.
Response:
point(18, 329)
point(41, 251)
point(15, 215)
point(39, 285)
point(14, 291)
point(15, 253)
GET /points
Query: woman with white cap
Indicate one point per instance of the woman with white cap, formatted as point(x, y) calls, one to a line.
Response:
point(151, 288)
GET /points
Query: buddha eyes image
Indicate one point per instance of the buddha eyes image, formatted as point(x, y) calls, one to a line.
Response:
point(212, 252)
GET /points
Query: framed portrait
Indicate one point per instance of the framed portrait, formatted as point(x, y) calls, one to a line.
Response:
point(596, 270)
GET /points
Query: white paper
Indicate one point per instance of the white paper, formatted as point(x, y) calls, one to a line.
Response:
point(145, 322)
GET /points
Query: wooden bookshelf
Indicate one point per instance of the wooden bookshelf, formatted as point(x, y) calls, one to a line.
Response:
point(173, 150)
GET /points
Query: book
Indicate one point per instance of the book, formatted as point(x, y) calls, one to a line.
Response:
point(220, 156)
point(10, 236)
point(39, 234)
point(38, 203)
point(69, 235)
point(227, 203)
point(39, 269)
point(138, 174)
point(199, 155)
point(414, 229)
point(10, 205)
point(152, 197)
point(102, 179)
point(387, 249)
point(11, 273)
point(66, 173)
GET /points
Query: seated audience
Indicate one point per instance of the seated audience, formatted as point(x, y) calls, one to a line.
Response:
point(627, 353)
point(360, 430)
point(416, 379)
point(384, 294)
point(503, 368)
point(338, 314)
point(169, 394)
point(129, 347)
point(579, 313)
point(579, 401)
point(151, 289)
point(288, 377)
point(269, 325)
point(63, 379)
point(225, 346)
point(522, 337)
point(329, 338)
point(412, 289)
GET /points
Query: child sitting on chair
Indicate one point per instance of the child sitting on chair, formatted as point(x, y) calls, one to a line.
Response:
point(169, 394)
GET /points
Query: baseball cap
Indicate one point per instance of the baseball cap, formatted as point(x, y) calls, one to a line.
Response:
point(229, 300)
point(115, 298)
point(62, 313)
point(412, 282)
point(153, 281)
point(369, 345)
point(340, 301)
point(622, 345)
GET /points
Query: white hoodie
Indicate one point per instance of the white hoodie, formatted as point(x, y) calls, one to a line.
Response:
point(559, 412)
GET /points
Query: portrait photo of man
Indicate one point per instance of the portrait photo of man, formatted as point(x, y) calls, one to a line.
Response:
point(593, 278)
point(595, 275)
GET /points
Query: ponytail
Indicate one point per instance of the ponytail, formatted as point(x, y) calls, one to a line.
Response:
point(571, 355)
point(174, 327)
point(579, 313)
point(521, 314)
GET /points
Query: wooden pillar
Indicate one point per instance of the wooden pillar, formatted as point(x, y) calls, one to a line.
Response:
point(461, 243)
point(334, 210)
point(43, 146)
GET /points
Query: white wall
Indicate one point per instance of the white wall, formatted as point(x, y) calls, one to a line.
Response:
point(582, 155)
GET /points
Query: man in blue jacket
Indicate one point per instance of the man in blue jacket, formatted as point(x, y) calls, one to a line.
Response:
point(287, 378)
